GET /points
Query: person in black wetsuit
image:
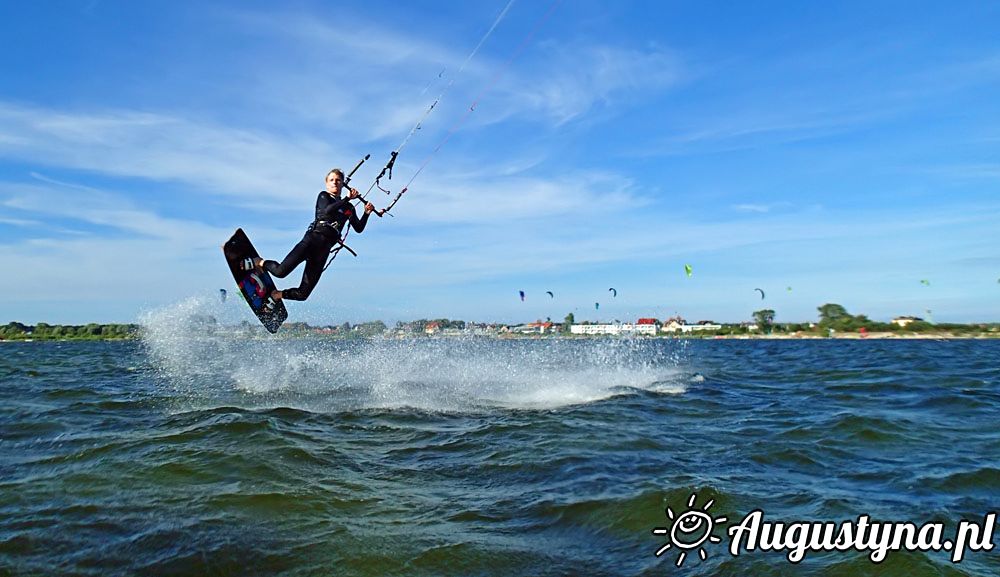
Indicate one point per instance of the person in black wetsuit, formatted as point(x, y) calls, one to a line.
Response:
point(332, 214)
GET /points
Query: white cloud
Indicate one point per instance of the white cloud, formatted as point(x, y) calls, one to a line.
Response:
point(158, 147)
point(962, 171)
point(752, 208)
point(19, 221)
point(760, 208)
point(380, 80)
point(96, 207)
point(572, 79)
point(483, 197)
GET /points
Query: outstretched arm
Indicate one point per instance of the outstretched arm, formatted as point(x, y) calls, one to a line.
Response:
point(359, 223)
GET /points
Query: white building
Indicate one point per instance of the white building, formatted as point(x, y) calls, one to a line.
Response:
point(613, 329)
point(674, 326)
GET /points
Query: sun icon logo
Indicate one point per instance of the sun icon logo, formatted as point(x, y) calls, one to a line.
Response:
point(689, 530)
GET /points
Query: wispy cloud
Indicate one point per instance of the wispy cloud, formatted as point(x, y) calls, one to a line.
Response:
point(818, 107)
point(19, 221)
point(124, 252)
point(389, 71)
point(976, 171)
point(565, 81)
point(158, 147)
point(752, 208)
point(96, 207)
point(482, 197)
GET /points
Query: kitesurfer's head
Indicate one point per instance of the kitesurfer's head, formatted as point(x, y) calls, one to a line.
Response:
point(334, 181)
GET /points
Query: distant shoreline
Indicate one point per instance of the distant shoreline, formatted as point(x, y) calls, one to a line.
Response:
point(856, 336)
point(775, 337)
point(444, 328)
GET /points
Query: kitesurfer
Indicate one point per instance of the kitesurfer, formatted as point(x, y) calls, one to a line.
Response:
point(333, 212)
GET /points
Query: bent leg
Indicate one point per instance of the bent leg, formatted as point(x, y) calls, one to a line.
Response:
point(314, 269)
point(295, 257)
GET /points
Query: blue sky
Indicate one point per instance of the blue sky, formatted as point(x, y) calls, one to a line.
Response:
point(846, 151)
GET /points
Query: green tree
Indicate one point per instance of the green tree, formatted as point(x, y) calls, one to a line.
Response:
point(568, 322)
point(13, 330)
point(764, 319)
point(370, 329)
point(830, 313)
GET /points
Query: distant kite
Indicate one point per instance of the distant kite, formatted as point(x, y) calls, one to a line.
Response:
point(688, 270)
point(550, 294)
point(925, 282)
point(614, 293)
point(789, 289)
point(522, 295)
point(761, 293)
point(597, 306)
point(222, 295)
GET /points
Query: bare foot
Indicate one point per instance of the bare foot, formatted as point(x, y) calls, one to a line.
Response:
point(276, 295)
point(259, 263)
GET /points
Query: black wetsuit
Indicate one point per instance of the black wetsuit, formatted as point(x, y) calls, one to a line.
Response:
point(332, 213)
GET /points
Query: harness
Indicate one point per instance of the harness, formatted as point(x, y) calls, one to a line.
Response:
point(317, 225)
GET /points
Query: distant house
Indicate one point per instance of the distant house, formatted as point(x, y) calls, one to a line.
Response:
point(614, 329)
point(482, 330)
point(538, 327)
point(673, 324)
point(432, 327)
point(903, 321)
point(678, 324)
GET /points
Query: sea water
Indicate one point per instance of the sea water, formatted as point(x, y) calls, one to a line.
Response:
point(218, 452)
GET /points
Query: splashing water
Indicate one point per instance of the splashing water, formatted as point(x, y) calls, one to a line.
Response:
point(210, 362)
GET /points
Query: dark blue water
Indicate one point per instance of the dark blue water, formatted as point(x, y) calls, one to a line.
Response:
point(228, 455)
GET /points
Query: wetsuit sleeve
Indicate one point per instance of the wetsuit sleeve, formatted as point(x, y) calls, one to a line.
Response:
point(327, 208)
point(359, 223)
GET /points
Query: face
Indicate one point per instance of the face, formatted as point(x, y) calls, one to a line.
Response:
point(334, 182)
point(691, 529)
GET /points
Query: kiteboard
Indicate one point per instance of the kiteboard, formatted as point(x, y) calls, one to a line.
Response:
point(255, 285)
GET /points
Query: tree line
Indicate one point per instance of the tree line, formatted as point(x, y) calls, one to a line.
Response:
point(835, 318)
point(45, 331)
point(832, 318)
